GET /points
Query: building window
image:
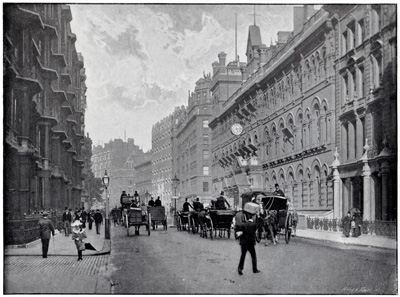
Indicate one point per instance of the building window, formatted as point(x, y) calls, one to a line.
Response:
point(361, 32)
point(205, 123)
point(205, 187)
point(352, 35)
point(206, 155)
point(206, 170)
point(205, 138)
point(344, 42)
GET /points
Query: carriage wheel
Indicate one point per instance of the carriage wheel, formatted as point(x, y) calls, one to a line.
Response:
point(288, 230)
point(127, 224)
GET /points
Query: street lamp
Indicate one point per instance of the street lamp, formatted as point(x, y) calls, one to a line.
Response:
point(175, 182)
point(106, 181)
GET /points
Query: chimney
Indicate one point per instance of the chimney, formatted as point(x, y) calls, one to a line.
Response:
point(222, 57)
point(263, 54)
point(215, 67)
point(244, 73)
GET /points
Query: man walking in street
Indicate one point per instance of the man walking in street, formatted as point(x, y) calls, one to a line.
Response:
point(67, 219)
point(98, 219)
point(246, 230)
point(45, 227)
point(158, 202)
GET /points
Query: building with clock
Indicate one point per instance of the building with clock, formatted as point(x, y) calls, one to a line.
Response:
point(306, 108)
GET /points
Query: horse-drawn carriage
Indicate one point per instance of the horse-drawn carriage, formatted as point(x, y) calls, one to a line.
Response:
point(274, 217)
point(134, 215)
point(158, 216)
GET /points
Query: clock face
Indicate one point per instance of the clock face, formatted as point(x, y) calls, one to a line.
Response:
point(236, 129)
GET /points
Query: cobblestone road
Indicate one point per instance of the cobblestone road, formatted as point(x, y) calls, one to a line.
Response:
point(57, 265)
point(59, 274)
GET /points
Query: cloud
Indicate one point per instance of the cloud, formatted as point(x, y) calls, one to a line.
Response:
point(141, 60)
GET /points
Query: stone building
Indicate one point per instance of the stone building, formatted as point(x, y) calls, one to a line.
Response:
point(365, 172)
point(44, 114)
point(286, 107)
point(161, 148)
point(143, 174)
point(117, 157)
point(308, 106)
point(191, 144)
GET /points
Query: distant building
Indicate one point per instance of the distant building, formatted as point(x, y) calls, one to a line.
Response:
point(161, 149)
point(191, 144)
point(117, 157)
point(44, 114)
point(143, 174)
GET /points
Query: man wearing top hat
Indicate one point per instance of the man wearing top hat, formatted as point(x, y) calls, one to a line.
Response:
point(221, 201)
point(45, 227)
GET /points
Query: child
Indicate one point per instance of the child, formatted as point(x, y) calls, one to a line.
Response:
point(78, 234)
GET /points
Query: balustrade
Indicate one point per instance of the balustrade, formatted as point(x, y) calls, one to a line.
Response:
point(382, 228)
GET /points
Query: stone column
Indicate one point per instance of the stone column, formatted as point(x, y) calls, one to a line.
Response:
point(347, 195)
point(366, 174)
point(47, 149)
point(336, 187)
point(385, 189)
point(359, 133)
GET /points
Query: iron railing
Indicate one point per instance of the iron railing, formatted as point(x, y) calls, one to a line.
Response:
point(382, 228)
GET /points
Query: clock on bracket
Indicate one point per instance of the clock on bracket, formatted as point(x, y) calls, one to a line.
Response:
point(236, 129)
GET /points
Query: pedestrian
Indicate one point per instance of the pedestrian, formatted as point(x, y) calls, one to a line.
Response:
point(278, 191)
point(78, 234)
point(151, 202)
point(245, 229)
point(46, 228)
point(67, 219)
point(90, 219)
point(347, 224)
point(158, 202)
point(98, 220)
point(84, 217)
point(77, 215)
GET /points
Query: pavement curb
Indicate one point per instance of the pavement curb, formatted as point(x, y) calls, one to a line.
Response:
point(346, 243)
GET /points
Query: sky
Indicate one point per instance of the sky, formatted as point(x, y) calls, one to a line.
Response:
point(141, 60)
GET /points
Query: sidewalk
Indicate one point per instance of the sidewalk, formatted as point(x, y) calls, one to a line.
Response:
point(365, 240)
point(61, 245)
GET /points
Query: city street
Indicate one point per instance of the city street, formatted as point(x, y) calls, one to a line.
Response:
point(173, 262)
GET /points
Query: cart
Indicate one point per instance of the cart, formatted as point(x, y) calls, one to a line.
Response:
point(158, 216)
point(219, 222)
point(183, 220)
point(136, 218)
point(275, 213)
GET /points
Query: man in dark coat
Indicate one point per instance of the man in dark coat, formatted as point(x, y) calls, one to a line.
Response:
point(246, 230)
point(67, 219)
point(98, 220)
point(186, 205)
point(278, 192)
point(158, 202)
point(197, 205)
point(46, 228)
point(151, 202)
point(84, 218)
point(221, 201)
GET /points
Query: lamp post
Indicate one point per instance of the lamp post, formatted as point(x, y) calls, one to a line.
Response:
point(106, 181)
point(175, 182)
